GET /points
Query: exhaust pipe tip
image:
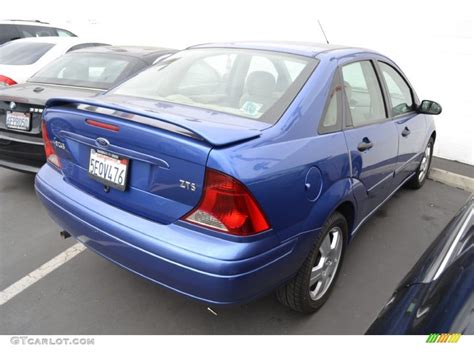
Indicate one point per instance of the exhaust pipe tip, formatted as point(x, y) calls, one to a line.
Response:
point(64, 234)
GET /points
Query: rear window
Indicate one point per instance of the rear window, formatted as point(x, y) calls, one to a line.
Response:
point(253, 84)
point(92, 70)
point(23, 53)
point(42, 31)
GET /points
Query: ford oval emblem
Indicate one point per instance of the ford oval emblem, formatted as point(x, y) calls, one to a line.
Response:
point(102, 142)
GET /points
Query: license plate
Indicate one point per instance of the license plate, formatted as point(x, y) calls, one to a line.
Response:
point(109, 169)
point(18, 120)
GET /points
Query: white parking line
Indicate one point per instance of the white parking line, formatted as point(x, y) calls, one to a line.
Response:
point(36, 275)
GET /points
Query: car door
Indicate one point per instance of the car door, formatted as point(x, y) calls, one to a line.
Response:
point(410, 125)
point(371, 137)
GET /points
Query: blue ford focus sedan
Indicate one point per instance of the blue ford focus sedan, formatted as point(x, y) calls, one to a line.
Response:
point(231, 170)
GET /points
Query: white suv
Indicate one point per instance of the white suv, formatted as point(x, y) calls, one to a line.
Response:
point(15, 29)
point(21, 58)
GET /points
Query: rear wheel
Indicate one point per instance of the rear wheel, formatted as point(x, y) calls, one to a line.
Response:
point(310, 287)
point(418, 180)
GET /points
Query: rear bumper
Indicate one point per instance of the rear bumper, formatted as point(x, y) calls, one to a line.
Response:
point(21, 156)
point(204, 267)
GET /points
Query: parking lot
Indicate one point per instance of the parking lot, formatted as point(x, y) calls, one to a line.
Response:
point(89, 295)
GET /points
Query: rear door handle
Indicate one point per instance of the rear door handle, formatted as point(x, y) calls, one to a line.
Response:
point(366, 144)
point(406, 132)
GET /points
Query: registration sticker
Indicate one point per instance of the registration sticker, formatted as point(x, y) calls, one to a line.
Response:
point(251, 108)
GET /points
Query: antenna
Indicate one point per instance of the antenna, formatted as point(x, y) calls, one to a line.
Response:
point(322, 30)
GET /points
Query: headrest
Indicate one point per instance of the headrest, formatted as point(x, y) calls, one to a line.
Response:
point(260, 83)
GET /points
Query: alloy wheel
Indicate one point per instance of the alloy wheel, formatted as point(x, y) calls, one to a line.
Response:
point(425, 163)
point(326, 265)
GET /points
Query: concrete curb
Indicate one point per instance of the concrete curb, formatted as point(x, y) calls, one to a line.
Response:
point(446, 177)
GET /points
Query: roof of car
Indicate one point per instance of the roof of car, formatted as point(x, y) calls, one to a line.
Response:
point(26, 23)
point(143, 52)
point(308, 49)
point(54, 40)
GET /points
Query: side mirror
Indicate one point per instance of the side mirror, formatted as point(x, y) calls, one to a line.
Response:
point(429, 107)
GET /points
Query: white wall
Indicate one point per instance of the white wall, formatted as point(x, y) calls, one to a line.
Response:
point(430, 40)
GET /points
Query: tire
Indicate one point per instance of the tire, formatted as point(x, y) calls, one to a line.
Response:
point(423, 170)
point(298, 293)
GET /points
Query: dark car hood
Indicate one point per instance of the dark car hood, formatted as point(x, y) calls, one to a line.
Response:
point(428, 264)
point(38, 94)
point(436, 296)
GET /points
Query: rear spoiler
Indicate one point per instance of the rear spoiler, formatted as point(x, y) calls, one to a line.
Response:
point(210, 131)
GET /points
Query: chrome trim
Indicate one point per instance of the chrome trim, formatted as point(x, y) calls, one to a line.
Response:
point(453, 245)
point(103, 142)
point(115, 149)
point(381, 181)
point(397, 170)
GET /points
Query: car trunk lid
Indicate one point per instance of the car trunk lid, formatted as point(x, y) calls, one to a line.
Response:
point(166, 152)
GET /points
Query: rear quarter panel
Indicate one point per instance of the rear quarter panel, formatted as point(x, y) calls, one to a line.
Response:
point(276, 166)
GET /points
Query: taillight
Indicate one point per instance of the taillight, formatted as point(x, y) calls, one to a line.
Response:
point(6, 81)
point(49, 150)
point(226, 205)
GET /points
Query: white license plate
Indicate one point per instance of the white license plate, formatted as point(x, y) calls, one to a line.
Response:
point(109, 169)
point(18, 120)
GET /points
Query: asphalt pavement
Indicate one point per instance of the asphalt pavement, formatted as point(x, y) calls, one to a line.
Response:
point(89, 295)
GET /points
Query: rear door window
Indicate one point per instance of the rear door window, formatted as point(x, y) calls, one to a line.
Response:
point(8, 33)
point(36, 31)
point(363, 93)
